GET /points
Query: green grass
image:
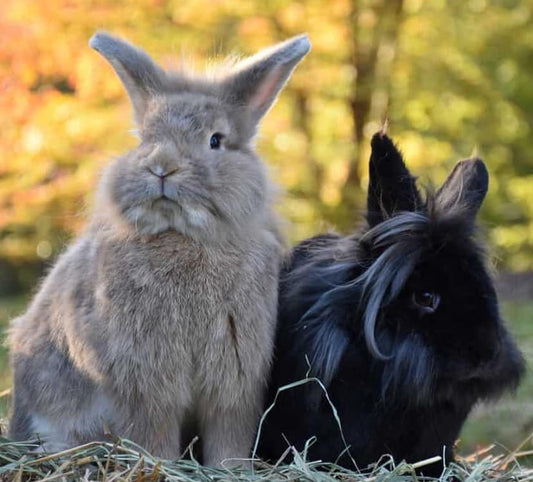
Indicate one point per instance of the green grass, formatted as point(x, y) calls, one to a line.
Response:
point(9, 308)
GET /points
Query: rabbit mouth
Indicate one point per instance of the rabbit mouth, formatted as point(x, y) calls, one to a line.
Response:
point(165, 199)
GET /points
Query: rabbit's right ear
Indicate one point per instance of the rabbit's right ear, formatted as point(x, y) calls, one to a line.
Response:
point(391, 187)
point(465, 188)
point(139, 74)
point(258, 80)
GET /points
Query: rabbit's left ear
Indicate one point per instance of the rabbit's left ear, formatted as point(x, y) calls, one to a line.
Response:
point(139, 74)
point(465, 188)
point(391, 187)
point(258, 80)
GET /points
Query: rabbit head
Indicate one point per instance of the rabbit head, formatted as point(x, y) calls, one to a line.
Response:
point(429, 306)
point(195, 170)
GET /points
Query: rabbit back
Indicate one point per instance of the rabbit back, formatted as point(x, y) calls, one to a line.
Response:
point(54, 395)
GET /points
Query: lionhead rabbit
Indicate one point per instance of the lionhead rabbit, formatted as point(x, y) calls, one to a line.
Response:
point(400, 322)
point(158, 321)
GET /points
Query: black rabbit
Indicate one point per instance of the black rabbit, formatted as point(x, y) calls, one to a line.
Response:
point(400, 322)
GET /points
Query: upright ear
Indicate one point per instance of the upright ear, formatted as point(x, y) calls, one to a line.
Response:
point(465, 188)
point(391, 187)
point(139, 74)
point(257, 81)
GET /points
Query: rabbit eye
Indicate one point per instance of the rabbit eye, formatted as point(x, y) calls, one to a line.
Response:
point(216, 140)
point(427, 301)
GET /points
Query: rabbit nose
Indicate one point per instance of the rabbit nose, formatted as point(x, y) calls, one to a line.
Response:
point(162, 172)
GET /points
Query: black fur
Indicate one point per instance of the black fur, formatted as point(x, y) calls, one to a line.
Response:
point(402, 380)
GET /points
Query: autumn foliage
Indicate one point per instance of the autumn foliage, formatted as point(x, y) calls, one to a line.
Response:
point(450, 77)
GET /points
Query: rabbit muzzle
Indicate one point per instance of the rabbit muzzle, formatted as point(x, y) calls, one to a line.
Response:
point(162, 174)
point(503, 362)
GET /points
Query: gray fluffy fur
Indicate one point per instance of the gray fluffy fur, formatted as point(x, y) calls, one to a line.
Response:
point(158, 321)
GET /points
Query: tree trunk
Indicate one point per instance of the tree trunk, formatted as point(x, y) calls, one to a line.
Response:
point(372, 25)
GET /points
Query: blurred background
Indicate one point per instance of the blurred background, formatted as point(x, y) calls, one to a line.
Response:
point(453, 77)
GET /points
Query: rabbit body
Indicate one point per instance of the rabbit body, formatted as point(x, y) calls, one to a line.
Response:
point(136, 335)
point(400, 322)
point(157, 323)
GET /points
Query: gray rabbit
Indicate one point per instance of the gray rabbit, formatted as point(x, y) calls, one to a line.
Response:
point(158, 321)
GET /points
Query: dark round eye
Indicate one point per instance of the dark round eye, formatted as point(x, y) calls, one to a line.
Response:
point(216, 140)
point(427, 301)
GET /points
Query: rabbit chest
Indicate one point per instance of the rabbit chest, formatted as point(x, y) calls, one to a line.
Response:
point(172, 319)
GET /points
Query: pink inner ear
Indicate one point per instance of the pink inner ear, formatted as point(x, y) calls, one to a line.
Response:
point(266, 91)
